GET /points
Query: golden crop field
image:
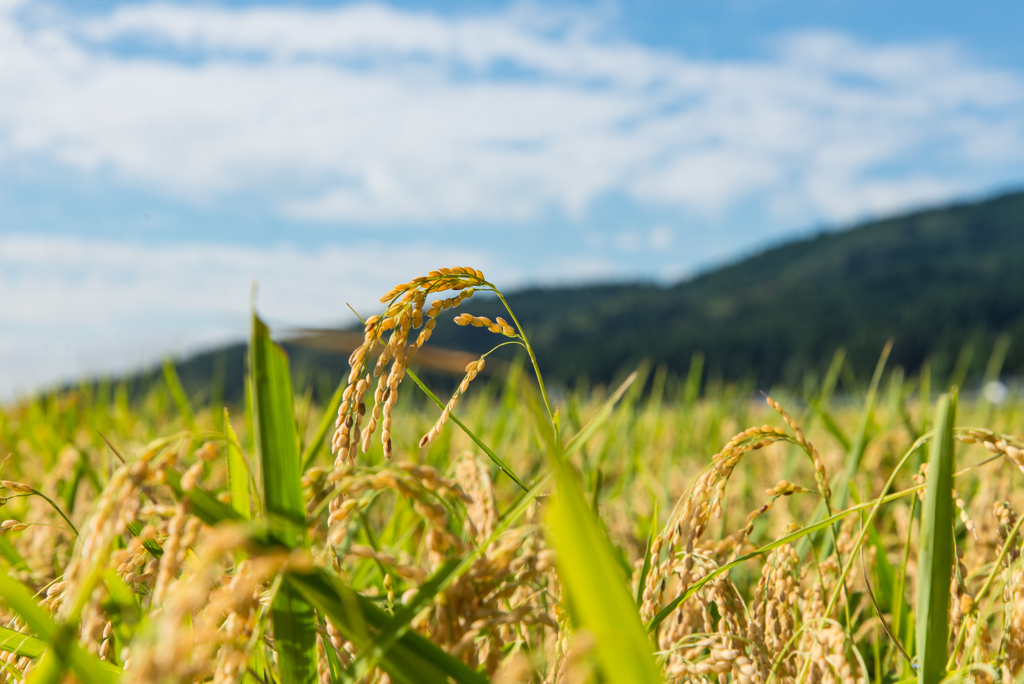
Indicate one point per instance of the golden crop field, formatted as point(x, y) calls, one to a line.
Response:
point(640, 533)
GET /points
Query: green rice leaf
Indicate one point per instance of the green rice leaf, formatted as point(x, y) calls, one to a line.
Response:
point(22, 644)
point(854, 451)
point(399, 623)
point(205, 506)
point(828, 385)
point(935, 549)
point(59, 638)
point(333, 664)
point(276, 442)
point(830, 424)
point(294, 635)
point(238, 471)
point(411, 659)
point(596, 588)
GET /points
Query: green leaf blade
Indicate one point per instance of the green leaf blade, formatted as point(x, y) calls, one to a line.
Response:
point(596, 588)
point(412, 658)
point(276, 439)
point(21, 644)
point(295, 635)
point(935, 550)
point(277, 444)
point(87, 667)
point(238, 471)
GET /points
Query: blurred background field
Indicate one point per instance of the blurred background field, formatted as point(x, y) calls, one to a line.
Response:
point(635, 473)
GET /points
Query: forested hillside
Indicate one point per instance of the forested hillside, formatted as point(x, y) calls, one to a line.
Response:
point(933, 281)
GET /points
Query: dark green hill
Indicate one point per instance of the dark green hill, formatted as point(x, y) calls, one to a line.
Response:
point(932, 280)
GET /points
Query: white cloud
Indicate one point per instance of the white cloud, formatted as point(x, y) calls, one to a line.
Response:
point(658, 239)
point(74, 306)
point(373, 114)
point(661, 237)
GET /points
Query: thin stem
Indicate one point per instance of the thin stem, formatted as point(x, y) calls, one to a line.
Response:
point(881, 619)
point(529, 350)
point(503, 344)
point(56, 508)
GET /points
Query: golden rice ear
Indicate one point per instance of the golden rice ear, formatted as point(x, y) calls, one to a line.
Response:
point(405, 312)
point(473, 368)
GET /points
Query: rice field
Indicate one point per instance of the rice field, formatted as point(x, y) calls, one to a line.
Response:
point(651, 531)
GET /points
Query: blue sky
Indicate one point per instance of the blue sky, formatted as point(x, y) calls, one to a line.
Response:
point(156, 158)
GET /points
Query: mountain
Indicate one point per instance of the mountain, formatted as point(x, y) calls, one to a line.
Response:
point(937, 282)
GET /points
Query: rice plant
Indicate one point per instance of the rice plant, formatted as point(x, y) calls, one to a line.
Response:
point(636, 533)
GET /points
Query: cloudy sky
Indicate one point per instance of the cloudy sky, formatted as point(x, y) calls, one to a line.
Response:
point(157, 157)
